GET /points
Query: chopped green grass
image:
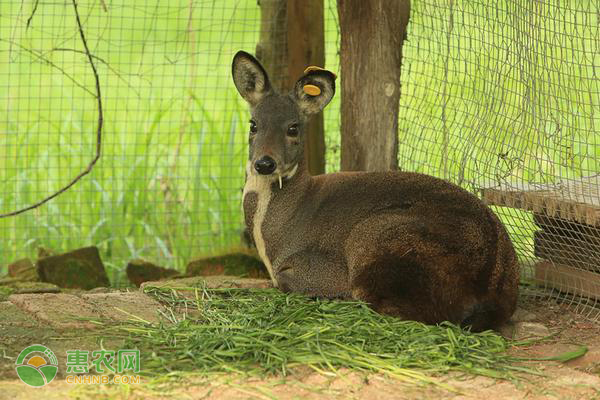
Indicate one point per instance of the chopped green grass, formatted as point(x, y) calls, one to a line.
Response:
point(266, 332)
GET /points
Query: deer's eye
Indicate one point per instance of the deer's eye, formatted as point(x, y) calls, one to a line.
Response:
point(253, 128)
point(292, 131)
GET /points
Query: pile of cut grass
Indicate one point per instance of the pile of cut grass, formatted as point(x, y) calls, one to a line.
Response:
point(264, 332)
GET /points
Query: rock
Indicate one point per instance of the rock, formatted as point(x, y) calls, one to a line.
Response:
point(11, 315)
point(524, 330)
point(18, 330)
point(521, 315)
point(233, 264)
point(125, 306)
point(5, 292)
point(139, 271)
point(101, 289)
point(79, 269)
point(18, 287)
point(7, 281)
point(62, 312)
point(35, 287)
point(23, 269)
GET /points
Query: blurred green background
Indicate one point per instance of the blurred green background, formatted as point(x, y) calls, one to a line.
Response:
point(491, 92)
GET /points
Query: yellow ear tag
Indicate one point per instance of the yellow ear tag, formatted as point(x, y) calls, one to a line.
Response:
point(315, 68)
point(312, 90)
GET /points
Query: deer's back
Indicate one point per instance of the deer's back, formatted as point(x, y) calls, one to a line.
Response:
point(323, 214)
point(426, 199)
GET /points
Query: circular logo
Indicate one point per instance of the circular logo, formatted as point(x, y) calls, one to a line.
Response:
point(40, 368)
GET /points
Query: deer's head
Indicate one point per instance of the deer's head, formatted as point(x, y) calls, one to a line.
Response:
point(278, 121)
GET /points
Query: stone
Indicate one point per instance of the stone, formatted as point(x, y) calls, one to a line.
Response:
point(521, 315)
point(101, 289)
point(529, 330)
point(11, 315)
point(16, 286)
point(34, 287)
point(78, 269)
point(5, 292)
point(23, 269)
point(63, 312)
point(139, 271)
point(18, 330)
point(125, 306)
point(232, 264)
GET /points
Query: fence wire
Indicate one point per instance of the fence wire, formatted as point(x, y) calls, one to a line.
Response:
point(168, 185)
point(502, 98)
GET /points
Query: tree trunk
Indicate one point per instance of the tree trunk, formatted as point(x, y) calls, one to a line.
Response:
point(271, 49)
point(292, 38)
point(372, 33)
point(306, 46)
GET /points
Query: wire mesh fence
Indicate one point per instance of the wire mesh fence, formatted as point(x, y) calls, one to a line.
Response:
point(499, 97)
point(168, 184)
point(503, 98)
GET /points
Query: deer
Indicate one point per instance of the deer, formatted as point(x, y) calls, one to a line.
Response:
point(410, 245)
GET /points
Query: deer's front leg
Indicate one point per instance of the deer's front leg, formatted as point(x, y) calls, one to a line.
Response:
point(312, 273)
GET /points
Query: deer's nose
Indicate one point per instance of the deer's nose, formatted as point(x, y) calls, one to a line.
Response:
point(265, 166)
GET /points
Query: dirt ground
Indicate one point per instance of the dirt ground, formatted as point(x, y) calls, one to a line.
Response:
point(577, 379)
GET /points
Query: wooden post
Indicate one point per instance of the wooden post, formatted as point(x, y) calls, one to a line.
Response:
point(372, 33)
point(271, 49)
point(292, 38)
point(306, 46)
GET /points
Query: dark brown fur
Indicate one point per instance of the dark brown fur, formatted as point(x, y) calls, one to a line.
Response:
point(411, 245)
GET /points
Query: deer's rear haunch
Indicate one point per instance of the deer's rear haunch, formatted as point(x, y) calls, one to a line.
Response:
point(410, 245)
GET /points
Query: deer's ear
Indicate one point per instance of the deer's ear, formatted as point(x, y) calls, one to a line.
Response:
point(314, 90)
point(250, 78)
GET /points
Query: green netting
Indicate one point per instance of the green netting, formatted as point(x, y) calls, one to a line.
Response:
point(500, 97)
point(503, 98)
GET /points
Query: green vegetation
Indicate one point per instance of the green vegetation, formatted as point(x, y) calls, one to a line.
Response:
point(502, 93)
point(168, 185)
point(253, 331)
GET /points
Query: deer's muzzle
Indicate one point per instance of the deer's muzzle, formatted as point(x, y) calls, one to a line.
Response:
point(265, 165)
